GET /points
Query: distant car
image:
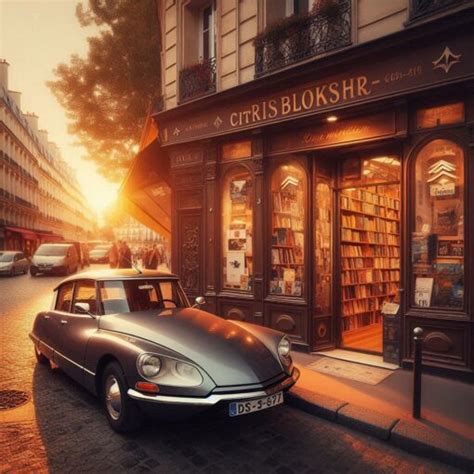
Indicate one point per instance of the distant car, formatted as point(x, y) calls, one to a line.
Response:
point(13, 262)
point(59, 259)
point(100, 254)
point(133, 339)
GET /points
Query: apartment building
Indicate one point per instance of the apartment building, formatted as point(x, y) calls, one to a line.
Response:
point(40, 199)
point(313, 162)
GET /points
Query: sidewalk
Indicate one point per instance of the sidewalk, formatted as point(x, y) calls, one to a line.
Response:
point(445, 430)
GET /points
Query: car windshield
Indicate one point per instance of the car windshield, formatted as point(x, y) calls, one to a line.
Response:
point(52, 250)
point(6, 257)
point(128, 296)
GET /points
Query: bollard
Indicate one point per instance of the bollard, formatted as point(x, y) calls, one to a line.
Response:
point(418, 338)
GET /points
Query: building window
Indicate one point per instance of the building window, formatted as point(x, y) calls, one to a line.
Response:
point(207, 33)
point(437, 243)
point(237, 232)
point(288, 192)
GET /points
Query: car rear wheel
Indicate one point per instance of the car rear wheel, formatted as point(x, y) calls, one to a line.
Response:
point(122, 413)
point(41, 358)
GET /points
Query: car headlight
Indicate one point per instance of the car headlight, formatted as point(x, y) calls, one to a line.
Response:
point(284, 348)
point(148, 365)
point(172, 372)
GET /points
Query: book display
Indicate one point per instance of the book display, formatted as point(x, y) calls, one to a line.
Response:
point(437, 244)
point(370, 252)
point(237, 219)
point(287, 245)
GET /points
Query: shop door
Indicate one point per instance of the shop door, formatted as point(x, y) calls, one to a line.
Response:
point(369, 250)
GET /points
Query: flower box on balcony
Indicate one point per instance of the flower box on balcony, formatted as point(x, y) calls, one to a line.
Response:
point(197, 79)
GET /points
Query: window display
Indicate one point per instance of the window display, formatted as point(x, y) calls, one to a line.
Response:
point(237, 217)
point(288, 215)
point(437, 243)
point(323, 247)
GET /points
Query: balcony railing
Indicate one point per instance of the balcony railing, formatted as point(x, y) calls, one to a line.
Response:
point(298, 38)
point(420, 8)
point(197, 80)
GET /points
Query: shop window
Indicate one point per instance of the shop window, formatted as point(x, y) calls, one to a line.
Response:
point(322, 247)
point(442, 115)
point(378, 169)
point(237, 219)
point(288, 191)
point(437, 245)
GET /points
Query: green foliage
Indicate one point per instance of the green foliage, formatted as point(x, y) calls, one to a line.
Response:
point(107, 94)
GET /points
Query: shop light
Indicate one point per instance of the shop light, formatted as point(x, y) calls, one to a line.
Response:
point(331, 119)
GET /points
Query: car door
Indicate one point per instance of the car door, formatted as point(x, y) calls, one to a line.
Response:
point(76, 329)
point(51, 321)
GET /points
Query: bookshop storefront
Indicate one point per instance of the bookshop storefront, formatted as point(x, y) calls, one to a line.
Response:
point(306, 208)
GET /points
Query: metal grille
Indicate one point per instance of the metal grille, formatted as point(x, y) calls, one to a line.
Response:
point(198, 79)
point(12, 399)
point(426, 7)
point(318, 34)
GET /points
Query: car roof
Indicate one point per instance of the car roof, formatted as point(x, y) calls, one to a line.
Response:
point(118, 274)
point(57, 245)
point(10, 251)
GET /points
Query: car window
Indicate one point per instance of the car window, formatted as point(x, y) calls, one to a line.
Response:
point(127, 296)
point(63, 303)
point(85, 293)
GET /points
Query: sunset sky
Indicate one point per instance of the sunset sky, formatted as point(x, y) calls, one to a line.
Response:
point(36, 35)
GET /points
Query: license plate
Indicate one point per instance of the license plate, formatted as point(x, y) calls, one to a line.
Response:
point(242, 408)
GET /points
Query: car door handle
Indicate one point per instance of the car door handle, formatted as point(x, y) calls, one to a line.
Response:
point(63, 321)
point(46, 316)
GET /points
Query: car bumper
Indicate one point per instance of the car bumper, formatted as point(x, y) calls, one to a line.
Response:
point(56, 269)
point(214, 398)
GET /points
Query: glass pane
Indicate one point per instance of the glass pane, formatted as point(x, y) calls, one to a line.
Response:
point(85, 293)
point(437, 248)
point(237, 218)
point(442, 115)
point(323, 254)
point(288, 206)
point(64, 298)
point(379, 169)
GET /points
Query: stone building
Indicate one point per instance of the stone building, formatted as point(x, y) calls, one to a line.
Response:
point(312, 160)
point(40, 199)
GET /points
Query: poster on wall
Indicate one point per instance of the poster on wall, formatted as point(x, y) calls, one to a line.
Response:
point(450, 249)
point(446, 214)
point(235, 267)
point(239, 190)
point(449, 285)
point(423, 291)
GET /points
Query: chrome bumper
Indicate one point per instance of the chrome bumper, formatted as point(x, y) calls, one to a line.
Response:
point(215, 398)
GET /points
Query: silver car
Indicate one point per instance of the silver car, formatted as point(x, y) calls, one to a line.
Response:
point(13, 262)
point(60, 259)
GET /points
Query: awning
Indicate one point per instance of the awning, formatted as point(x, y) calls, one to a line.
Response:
point(146, 191)
point(25, 233)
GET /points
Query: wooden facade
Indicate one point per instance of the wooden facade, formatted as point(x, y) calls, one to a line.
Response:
point(384, 95)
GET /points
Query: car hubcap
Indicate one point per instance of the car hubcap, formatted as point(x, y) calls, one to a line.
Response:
point(113, 399)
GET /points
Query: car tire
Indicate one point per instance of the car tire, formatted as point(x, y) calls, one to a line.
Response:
point(121, 411)
point(33, 272)
point(41, 358)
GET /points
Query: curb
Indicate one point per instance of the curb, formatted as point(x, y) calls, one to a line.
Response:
point(412, 436)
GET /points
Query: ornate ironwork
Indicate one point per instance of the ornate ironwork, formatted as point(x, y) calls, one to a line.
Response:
point(198, 79)
point(421, 8)
point(316, 34)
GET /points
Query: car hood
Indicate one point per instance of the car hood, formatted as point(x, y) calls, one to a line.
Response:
point(48, 259)
point(6, 264)
point(230, 354)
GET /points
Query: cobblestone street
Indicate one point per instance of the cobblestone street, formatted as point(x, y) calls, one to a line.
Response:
point(62, 428)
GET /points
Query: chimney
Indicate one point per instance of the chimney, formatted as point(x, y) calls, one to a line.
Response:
point(32, 120)
point(43, 134)
point(16, 96)
point(4, 73)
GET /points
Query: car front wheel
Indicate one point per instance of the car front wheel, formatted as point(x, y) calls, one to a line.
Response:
point(122, 413)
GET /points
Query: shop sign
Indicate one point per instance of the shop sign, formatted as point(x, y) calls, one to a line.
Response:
point(414, 68)
point(447, 189)
point(323, 135)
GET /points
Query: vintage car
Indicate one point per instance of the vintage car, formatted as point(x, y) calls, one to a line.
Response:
point(132, 338)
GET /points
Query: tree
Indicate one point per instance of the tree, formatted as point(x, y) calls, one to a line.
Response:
point(107, 94)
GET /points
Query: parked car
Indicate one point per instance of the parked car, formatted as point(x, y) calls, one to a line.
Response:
point(13, 262)
point(132, 339)
point(100, 254)
point(55, 258)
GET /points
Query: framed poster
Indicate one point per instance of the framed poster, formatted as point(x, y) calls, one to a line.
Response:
point(450, 249)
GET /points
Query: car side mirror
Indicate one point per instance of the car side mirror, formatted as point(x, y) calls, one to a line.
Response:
point(199, 301)
point(82, 308)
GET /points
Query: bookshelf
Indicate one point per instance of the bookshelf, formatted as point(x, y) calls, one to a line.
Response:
point(287, 245)
point(370, 253)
